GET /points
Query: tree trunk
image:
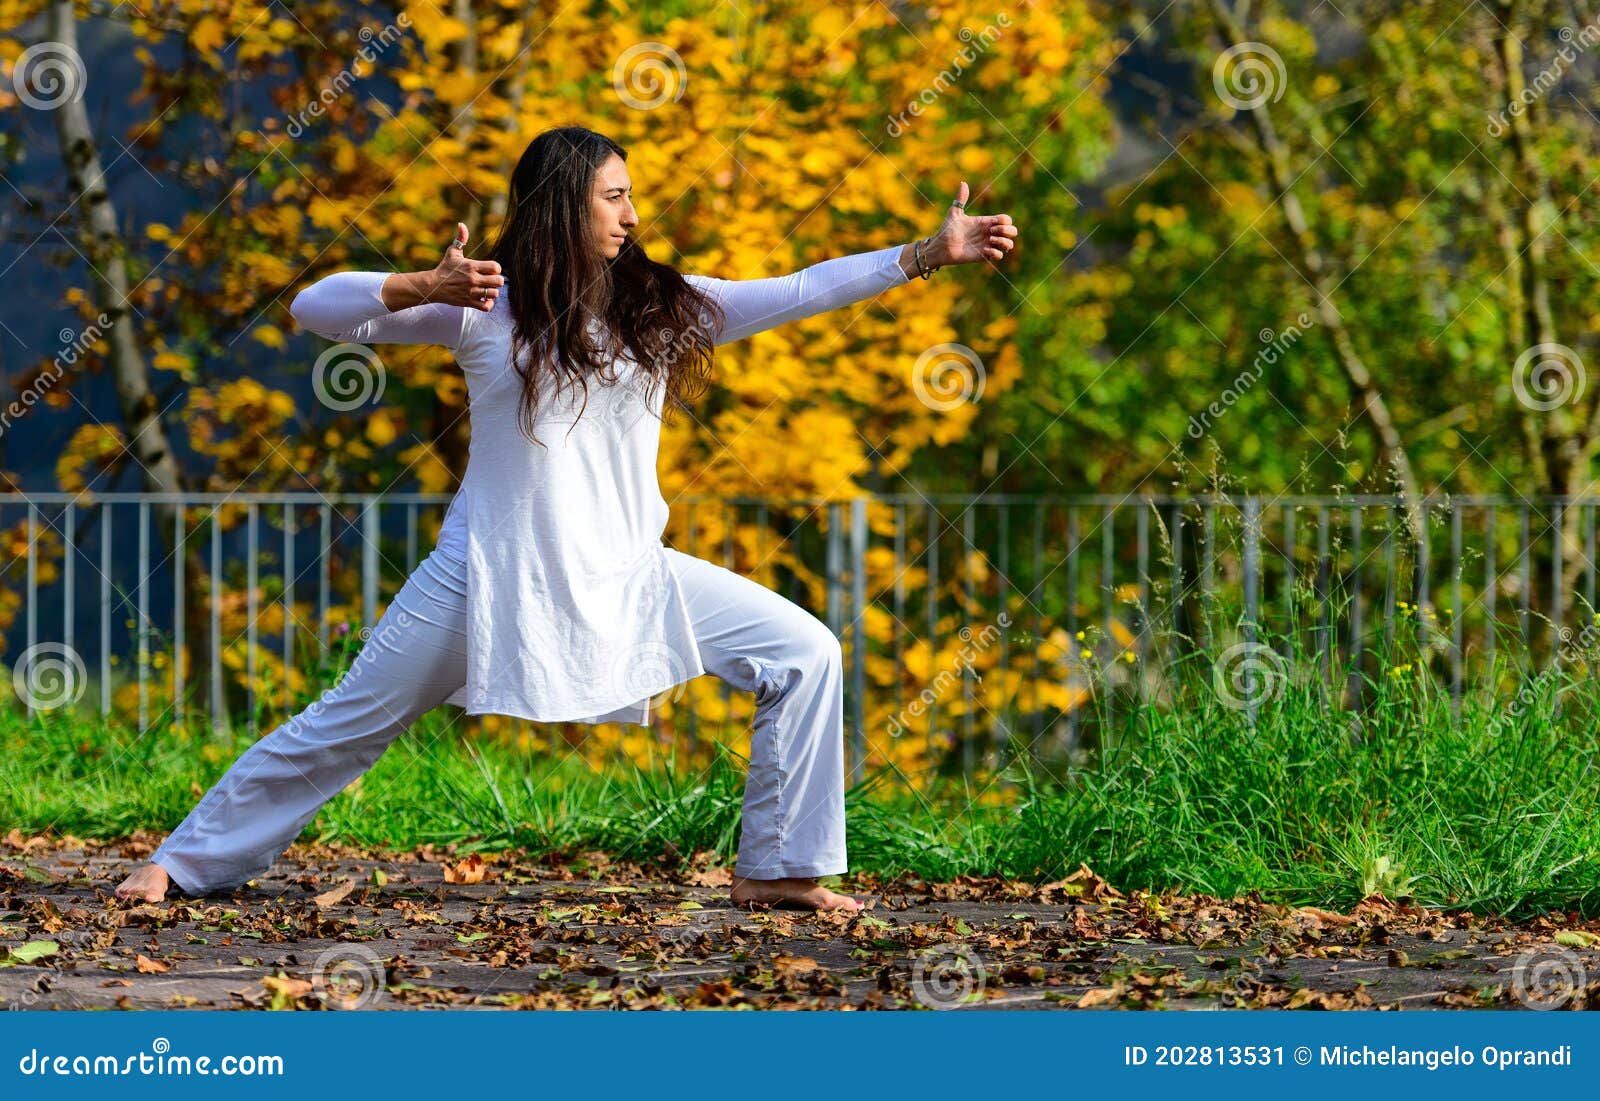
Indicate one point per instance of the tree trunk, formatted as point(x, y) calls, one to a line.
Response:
point(101, 244)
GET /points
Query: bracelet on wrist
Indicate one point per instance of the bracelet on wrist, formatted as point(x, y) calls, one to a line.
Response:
point(922, 267)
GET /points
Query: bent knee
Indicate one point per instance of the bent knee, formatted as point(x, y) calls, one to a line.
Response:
point(816, 649)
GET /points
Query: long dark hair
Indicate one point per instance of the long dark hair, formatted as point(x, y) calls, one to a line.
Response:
point(556, 283)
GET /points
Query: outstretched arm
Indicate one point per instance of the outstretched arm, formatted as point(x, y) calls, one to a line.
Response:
point(424, 307)
point(349, 305)
point(756, 305)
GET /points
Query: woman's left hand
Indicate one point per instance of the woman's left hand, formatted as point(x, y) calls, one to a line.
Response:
point(967, 238)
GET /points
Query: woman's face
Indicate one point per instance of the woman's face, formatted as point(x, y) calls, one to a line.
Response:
point(612, 206)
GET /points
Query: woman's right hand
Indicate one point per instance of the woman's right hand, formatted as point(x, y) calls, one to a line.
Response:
point(463, 282)
point(455, 280)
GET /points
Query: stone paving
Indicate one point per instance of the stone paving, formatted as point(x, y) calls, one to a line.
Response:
point(336, 929)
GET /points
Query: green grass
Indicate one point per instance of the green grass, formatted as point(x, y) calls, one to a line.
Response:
point(1494, 811)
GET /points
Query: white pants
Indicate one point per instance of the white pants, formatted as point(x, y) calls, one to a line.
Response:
point(415, 658)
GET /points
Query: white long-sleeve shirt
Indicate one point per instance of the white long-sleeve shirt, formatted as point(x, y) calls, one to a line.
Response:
point(572, 612)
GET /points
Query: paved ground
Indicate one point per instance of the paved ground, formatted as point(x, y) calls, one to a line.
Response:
point(331, 928)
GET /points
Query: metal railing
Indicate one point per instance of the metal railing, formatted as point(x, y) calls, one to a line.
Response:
point(1154, 576)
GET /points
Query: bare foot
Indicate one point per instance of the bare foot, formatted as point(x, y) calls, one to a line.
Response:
point(148, 884)
point(795, 893)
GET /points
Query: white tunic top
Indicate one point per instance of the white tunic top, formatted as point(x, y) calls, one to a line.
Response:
point(573, 614)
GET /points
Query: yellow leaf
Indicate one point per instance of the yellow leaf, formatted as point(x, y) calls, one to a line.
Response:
point(207, 35)
point(380, 429)
point(270, 335)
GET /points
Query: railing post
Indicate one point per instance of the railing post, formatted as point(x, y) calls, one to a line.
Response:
point(1252, 571)
point(369, 561)
point(33, 588)
point(858, 636)
point(219, 717)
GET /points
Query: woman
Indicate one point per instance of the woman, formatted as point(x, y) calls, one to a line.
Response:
point(550, 595)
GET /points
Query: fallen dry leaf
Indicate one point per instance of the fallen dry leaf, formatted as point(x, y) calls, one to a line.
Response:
point(471, 870)
point(335, 896)
point(711, 877)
